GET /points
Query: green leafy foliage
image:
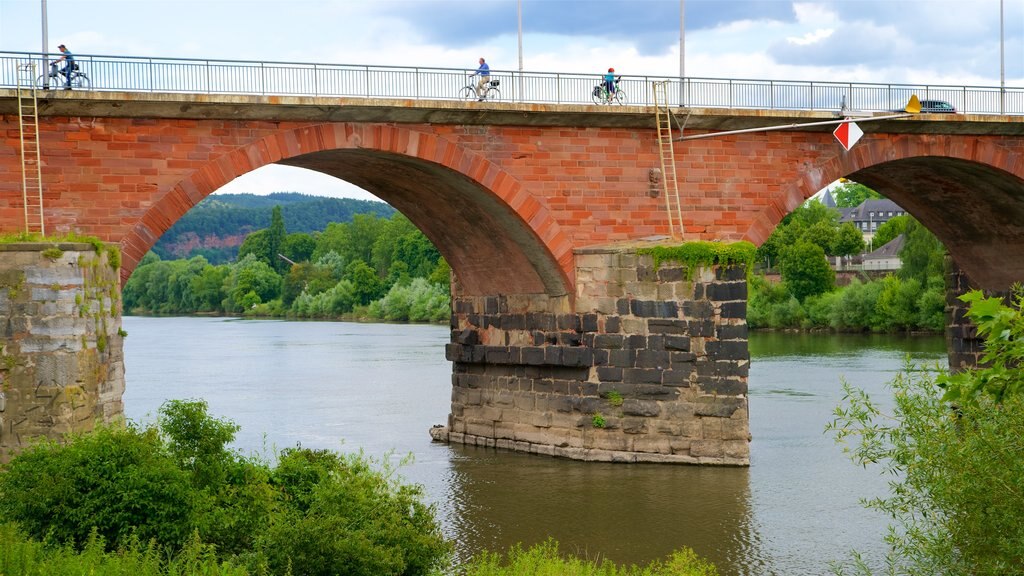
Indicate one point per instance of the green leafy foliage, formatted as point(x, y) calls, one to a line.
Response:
point(957, 475)
point(805, 270)
point(178, 487)
point(544, 559)
point(850, 194)
point(1002, 327)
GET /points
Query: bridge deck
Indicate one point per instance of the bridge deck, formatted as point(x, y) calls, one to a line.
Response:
point(409, 111)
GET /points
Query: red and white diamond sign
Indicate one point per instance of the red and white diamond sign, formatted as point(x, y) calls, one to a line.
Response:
point(848, 133)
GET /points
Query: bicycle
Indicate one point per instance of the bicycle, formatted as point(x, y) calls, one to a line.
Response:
point(601, 95)
point(79, 79)
point(490, 90)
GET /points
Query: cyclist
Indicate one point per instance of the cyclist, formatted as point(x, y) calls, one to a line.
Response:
point(609, 84)
point(69, 65)
point(483, 74)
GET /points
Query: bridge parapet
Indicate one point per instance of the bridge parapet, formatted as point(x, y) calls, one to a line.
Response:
point(650, 366)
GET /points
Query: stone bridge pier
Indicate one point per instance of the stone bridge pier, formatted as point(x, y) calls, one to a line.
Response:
point(649, 365)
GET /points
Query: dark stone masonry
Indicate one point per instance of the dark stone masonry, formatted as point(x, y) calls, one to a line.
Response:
point(650, 365)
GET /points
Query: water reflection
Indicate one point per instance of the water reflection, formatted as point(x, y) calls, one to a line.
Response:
point(772, 344)
point(630, 514)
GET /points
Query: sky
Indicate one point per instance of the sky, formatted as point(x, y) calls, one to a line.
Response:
point(949, 42)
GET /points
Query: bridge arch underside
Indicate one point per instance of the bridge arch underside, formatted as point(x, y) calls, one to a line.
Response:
point(976, 210)
point(489, 246)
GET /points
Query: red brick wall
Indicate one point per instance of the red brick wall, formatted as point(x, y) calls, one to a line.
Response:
point(506, 205)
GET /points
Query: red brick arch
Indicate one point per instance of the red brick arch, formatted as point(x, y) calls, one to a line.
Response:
point(968, 191)
point(496, 236)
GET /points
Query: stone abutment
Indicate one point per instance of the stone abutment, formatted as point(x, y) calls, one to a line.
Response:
point(649, 365)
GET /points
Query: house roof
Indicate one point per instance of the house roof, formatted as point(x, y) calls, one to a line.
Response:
point(863, 212)
point(890, 250)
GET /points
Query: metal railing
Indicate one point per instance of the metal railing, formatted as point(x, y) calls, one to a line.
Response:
point(198, 76)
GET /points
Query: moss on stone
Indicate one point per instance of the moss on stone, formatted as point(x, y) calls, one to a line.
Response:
point(700, 253)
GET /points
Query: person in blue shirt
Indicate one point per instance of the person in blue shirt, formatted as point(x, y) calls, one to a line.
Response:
point(69, 64)
point(609, 82)
point(483, 74)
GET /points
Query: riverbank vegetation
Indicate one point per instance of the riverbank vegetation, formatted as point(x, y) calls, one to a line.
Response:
point(806, 295)
point(371, 267)
point(173, 499)
point(952, 448)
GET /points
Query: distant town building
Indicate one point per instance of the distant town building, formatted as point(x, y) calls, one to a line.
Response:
point(885, 258)
point(870, 215)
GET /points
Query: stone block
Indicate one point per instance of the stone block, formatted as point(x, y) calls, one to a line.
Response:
point(609, 341)
point(652, 359)
point(734, 309)
point(727, 291)
point(646, 408)
point(707, 448)
point(666, 326)
point(641, 376)
point(727, 350)
point(612, 324)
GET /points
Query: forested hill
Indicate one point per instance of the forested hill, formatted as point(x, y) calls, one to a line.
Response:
point(216, 227)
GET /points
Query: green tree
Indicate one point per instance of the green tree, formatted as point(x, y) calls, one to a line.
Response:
point(889, 230)
point(276, 235)
point(250, 281)
point(299, 247)
point(368, 286)
point(923, 256)
point(847, 241)
point(850, 194)
point(805, 270)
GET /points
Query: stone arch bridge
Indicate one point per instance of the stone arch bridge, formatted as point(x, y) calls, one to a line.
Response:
point(541, 211)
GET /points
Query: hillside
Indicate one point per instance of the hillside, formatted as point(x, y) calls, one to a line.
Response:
point(216, 227)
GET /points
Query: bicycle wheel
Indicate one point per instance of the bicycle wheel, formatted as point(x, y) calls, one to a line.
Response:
point(598, 96)
point(41, 82)
point(492, 94)
point(620, 98)
point(468, 93)
point(80, 81)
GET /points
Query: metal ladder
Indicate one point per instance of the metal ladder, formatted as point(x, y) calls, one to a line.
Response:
point(31, 169)
point(666, 152)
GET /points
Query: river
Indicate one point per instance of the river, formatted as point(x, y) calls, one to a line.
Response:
point(379, 388)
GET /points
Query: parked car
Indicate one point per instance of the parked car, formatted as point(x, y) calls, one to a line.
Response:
point(937, 107)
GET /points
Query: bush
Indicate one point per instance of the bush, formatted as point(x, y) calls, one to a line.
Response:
point(120, 482)
point(956, 496)
point(178, 486)
point(345, 517)
point(543, 559)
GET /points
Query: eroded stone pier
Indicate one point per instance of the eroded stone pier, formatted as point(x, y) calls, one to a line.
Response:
point(649, 365)
point(61, 356)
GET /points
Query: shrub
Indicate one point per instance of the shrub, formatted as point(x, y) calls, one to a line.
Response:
point(956, 496)
point(120, 482)
point(544, 559)
point(352, 520)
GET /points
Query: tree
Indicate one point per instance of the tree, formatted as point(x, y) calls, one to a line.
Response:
point(299, 247)
point(805, 270)
point(889, 230)
point(368, 286)
point(922, 254)
point(850, 194)
point(848, 241)
point(955, 495)
point(275, 241)
point(251, 281)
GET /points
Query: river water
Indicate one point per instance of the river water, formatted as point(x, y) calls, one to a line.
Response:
point(379, 388)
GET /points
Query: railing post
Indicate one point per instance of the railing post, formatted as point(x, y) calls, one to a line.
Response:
point(771, 95)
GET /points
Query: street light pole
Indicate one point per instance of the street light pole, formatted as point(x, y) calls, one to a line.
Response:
point(682, 50)
point(1002, 63)
point(519, 18)
point(46, 43)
